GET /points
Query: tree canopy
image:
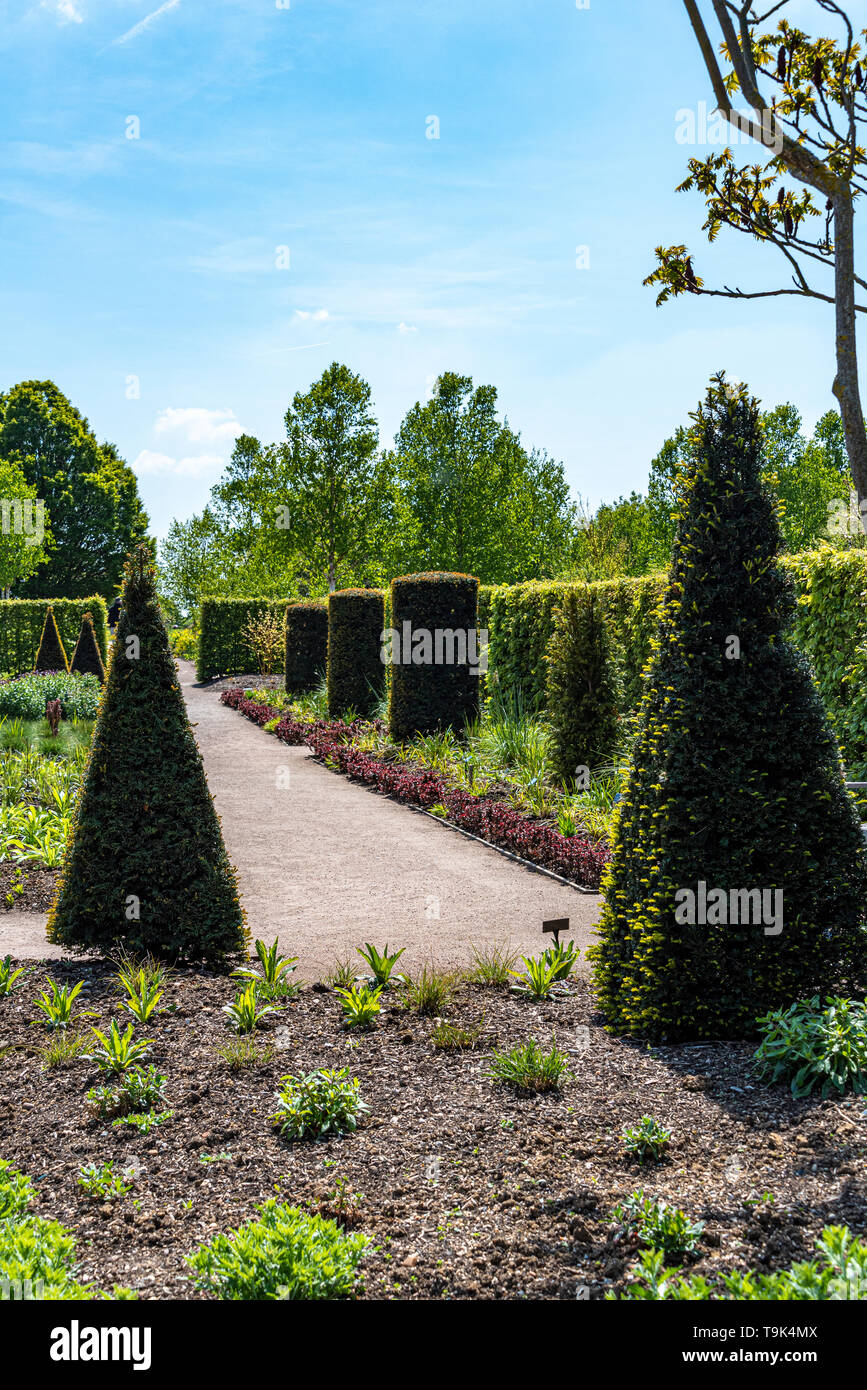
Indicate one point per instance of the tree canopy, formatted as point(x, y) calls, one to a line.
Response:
point(89, 492)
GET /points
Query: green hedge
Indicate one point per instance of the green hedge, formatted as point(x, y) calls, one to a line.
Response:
point(435, 693)
point(306, 652)
point(223, 651)
point(22, 620)
point(830, 627)
point(356, 671)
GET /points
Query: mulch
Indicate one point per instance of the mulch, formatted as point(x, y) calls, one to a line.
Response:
point(466, 1189)
point(26, 887)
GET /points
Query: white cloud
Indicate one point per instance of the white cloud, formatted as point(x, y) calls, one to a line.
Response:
point(143, 23)
point(406, 328)
point(66, 10)
point(315, 315)
point(196, 425)
point(163, 465)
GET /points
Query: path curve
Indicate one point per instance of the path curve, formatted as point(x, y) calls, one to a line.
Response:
point(326, 864)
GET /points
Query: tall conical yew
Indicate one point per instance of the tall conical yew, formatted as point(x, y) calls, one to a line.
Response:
point(87, 658)
point(735, 807)
point(51, 655)
point(145, 862)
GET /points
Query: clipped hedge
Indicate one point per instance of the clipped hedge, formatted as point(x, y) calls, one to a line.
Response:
point(22, 621)
point(830, 627)
point(356, 671)
point(432, 692)
point(584, 695)
point(306, 653)
point(223, 650)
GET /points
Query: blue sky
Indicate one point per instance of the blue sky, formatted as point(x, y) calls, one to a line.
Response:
point(259, 127)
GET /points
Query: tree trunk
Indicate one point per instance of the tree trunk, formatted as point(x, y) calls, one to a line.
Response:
point(845, 386)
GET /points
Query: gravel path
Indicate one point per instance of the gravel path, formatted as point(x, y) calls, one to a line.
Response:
point(327, 865)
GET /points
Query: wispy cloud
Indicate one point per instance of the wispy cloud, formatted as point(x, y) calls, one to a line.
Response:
point(143, 23)
point(317, 315)
point(165, 465)
point(67, 10)
point(199, 426)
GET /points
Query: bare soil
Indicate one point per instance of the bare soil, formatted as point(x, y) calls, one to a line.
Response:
point(469, 1190)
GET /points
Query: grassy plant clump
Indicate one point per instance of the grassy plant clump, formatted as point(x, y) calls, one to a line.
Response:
point(492, 965)
point(430, 992)
point(243, 1052)
point(648, 1139)
point(285, 1254)
point(538, 977)
point(812, 1047)
point(452, 1037)
point(62, 1050)
point(56, 1004)
point(527, 1067)
point(318, 1104)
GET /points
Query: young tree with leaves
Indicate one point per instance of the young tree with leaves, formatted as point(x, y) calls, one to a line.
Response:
point(808, 102)
point(24, 528)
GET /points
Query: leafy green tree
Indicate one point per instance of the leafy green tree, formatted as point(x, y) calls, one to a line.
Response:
point(470, 498)
point(735, 786)
point(90, 494)
point(334, 486)
point(807, 107)
point(24, 530)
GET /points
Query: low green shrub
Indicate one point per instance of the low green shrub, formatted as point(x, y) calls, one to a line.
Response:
point(648, 1139)
point(286, 1254)
point(839, 1273)
point(26, 696)
point(360, 1005)
point(657, 1223)
point(810, 1046)
point(100, 1181)
point(318, 1104)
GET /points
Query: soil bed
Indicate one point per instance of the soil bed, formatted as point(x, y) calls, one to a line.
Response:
point(469, 1191)
point(37, 885)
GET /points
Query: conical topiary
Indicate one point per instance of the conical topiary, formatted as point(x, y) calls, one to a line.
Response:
point(735, 807)
point(86, 659)
point(145, 862)
point(584, 688)
point(51, 655)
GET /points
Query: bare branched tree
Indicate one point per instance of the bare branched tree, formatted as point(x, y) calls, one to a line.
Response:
point(807, 99)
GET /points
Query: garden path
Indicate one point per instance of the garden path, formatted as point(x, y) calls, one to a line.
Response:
point(326, 865)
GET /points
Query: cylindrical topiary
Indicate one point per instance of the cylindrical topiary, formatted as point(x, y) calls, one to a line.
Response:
point(86, 658)
point(584, 687)
point(434, 653)
point(306, 646)
point(145, 862)
point(51, 655)
point(356, 671)
point(738, 878)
